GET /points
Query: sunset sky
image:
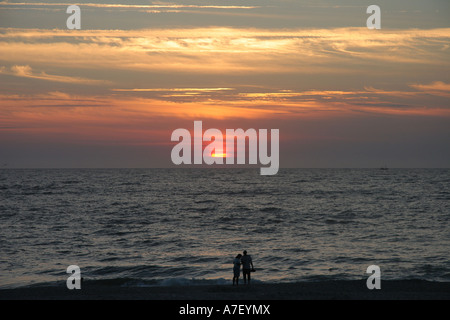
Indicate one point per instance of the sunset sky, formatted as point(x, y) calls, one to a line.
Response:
point(111, 93)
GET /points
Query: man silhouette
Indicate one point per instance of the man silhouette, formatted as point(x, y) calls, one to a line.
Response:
point(247, 266)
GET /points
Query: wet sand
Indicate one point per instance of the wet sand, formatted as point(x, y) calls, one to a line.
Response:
point(327, 290)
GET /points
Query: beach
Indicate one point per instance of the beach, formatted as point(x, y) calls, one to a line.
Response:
point(326, 290)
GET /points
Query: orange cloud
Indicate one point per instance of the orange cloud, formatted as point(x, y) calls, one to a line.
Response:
point(123, 6)
point(224, 50)
point(26, 71)
point(438, 88)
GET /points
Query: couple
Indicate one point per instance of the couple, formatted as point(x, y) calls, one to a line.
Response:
point(246, 262)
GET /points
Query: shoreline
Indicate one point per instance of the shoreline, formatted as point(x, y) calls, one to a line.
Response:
point(323, 290)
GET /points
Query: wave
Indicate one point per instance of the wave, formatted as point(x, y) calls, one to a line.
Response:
point(270, 209)
point(334, 221)
point(205, 201)
point(136, 282)
point(192, 282)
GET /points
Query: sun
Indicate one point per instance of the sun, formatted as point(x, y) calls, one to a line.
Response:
point(218, 155)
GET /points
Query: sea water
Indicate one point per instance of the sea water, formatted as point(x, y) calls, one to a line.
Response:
point(139, 227)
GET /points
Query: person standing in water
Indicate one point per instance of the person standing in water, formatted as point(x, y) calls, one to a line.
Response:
point(247, 266)
point(236, 269)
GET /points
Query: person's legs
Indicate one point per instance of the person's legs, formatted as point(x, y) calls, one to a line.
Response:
point(246, 274)
point(236, 277)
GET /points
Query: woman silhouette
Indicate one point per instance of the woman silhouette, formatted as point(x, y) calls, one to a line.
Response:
point(236, 269)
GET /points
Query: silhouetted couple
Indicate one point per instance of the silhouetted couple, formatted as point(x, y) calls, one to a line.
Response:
point(247, 267)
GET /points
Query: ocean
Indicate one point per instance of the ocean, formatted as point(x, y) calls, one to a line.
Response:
point(148, 227)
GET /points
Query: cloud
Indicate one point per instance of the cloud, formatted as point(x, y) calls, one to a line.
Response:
point(26, 71)
point(208, 72)
point(438, 88)
point(123, 6)
point(174, 89)
point(227, 50)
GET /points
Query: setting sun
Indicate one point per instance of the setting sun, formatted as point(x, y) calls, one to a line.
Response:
point(218, 155)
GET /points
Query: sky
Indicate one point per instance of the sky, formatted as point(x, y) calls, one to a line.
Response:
point(110, 94)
